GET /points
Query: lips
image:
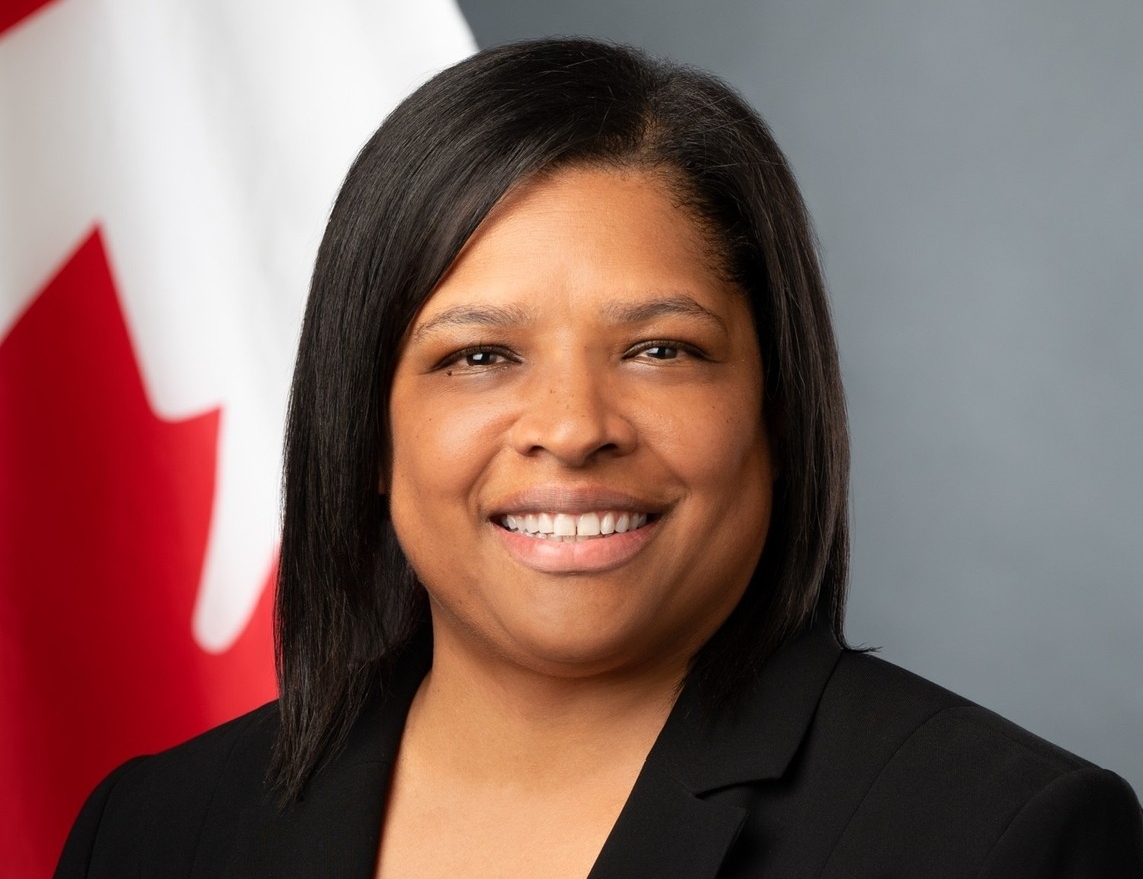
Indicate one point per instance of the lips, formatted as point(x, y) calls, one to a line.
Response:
point(563, 529)
point(574, 526)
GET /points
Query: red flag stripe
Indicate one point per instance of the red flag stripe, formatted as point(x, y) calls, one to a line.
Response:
point(12, 12)
point(103, 528)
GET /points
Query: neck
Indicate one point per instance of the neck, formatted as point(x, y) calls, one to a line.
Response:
point(481, 715)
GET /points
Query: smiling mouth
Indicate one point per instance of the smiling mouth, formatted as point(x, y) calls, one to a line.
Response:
point(569, 528)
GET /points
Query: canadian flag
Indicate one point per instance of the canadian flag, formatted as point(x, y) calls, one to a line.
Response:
point(166, 167)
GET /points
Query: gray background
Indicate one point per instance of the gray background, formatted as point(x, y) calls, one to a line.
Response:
point(975, 170)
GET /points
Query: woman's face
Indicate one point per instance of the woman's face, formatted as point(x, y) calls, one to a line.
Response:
point(580, 474)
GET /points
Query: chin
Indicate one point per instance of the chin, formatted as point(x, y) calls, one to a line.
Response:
point(583, 650)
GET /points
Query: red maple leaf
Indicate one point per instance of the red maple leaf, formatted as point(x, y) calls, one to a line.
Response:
point(104, 515)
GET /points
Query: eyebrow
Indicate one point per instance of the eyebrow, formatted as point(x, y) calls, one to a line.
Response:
point(661, 306)
point(492, 316)
point(619, 311)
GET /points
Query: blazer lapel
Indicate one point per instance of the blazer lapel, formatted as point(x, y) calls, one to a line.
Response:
point(335, 829)
point(667, 827)
point(667, 832)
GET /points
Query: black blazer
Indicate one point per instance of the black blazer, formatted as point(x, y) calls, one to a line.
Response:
point(837, 765)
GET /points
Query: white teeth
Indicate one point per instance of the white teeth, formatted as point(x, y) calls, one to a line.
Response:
point(587, 525)
point(565, 526)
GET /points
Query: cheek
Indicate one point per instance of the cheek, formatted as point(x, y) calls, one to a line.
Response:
point(712, 441)
point(439, 452)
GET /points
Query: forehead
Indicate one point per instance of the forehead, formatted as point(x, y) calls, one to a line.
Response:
point(603, 234)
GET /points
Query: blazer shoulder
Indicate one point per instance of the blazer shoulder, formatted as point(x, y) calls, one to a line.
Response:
point(910, 707)
point(236, 753)
point(947, 778)
point(166, 807)
point(1086, 822)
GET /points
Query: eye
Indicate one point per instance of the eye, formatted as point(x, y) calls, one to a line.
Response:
point(482, 358)
point(476, 358)
point(664, 349)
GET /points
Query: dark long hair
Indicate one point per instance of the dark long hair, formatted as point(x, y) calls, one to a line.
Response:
point(347, 599)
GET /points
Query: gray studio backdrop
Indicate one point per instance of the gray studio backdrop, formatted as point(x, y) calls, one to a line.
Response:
point(975, 171)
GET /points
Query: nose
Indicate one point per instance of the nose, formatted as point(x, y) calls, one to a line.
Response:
point(574, 414)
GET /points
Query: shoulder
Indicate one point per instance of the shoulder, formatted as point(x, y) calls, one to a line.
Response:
point(176, 804)
point(933, 772)
point(909, 721)
point(229, 760)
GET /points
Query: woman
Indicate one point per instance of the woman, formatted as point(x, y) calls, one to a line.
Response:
point(564, 554)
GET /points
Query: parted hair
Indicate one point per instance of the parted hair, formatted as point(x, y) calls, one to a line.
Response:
point(347, 599)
